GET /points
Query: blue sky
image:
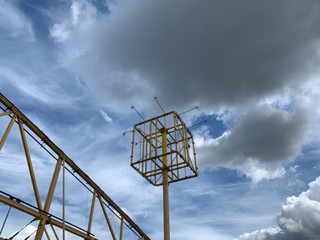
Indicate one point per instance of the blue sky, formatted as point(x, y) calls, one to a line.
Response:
point(76, 67)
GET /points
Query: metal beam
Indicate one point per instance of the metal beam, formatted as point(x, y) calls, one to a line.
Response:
point(49, 198)
point(6, 133)
point(91, 211)
point(39, 214)
point(30, 167)
point(23, 119)
point(107, 218)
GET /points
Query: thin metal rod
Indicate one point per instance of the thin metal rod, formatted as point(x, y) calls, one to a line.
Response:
point(5, 220)
point(32, 234)
point(124, 133)
point(132, 107)
point(197, 124)
point(155, 98)
point(46, 232)
point(189, 110)
point(12, 237)
point(54, 232)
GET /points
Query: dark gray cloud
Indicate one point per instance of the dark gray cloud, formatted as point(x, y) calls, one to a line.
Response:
point(298, 219)
point(266, 134)
point(210, 52)
point(263, 137)
point(219, 54)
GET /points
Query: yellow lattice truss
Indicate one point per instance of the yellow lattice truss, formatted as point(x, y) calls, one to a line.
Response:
point(49, 224)
point(148, 151)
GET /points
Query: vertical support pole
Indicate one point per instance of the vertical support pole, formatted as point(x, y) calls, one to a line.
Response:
point(63, 199)
point(6, 133)
point(165, 185)
point(132, 145)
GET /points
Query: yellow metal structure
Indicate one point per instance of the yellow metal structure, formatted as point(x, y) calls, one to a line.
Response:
point(41, 213)
point(163, 143)
point(163, 152)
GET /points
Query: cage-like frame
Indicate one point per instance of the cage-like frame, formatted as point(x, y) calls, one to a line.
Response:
point(165, 135)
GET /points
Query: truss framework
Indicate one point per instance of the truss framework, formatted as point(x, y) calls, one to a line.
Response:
point(147, 154)
point(40, 213)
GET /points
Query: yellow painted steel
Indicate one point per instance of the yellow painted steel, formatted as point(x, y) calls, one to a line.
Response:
point(166, 155)
point(180, 156)
point(30, 167)
point(54, 232)
point(121, 229)
point(37, 215)
point(6, 133)
point(165, 185)
point(94, 195)
point(40, 214)
point(107, 218)
point(41, 226)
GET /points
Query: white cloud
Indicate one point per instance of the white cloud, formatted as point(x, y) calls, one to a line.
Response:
point(262, 234)
point(83, 15)
point(299, 218)
point(105, 116)
point(59, 32)
point(195, 231)
point(14, 21)
point(83, 12)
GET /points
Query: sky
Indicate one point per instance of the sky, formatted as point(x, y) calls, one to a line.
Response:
point(75, 68)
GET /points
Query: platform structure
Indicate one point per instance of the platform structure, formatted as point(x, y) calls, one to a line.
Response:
point(163, 152)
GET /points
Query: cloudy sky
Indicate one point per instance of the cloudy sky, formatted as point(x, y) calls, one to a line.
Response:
point(75, 68)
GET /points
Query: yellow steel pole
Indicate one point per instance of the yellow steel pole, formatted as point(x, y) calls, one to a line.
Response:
point(165, 185)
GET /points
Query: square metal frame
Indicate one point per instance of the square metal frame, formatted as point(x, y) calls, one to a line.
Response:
point(147, 154)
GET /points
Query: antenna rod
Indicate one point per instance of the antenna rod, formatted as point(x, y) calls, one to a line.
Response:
point(155, 98)
point(189, 110)
point(132, 107)
point(124, 133)
point(197, 124)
